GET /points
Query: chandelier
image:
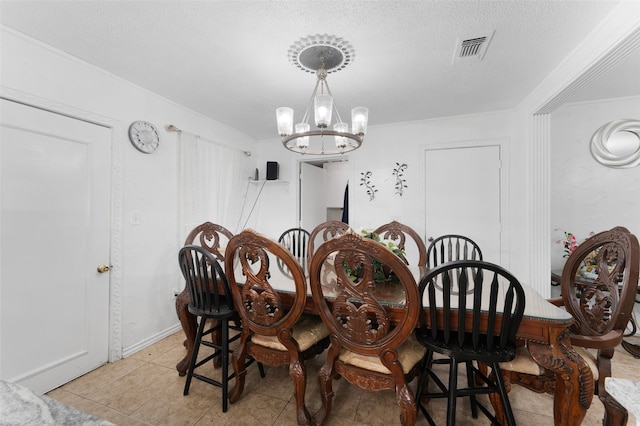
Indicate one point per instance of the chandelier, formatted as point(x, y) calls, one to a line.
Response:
point(322, 54)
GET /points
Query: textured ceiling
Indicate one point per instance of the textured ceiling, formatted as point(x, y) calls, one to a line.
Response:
point(228, 59)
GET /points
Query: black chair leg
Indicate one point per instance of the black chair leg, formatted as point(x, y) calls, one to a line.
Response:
point(261, 369)
point(471, 382)
point(225, 364)
point(423, 385)
point(453, 394)
point(194, 356)
point(504, 397)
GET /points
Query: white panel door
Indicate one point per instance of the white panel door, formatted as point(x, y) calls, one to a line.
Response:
point(54, 224)
point(313, 205)
point(463, 195)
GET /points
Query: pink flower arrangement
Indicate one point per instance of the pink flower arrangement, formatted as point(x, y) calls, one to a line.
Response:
point(570, 244)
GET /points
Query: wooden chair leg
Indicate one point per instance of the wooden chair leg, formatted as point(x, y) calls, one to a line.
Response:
point(238, 359)
point(217, 339)
point(299, 376)
point(614, 413)
point(408, 409)
point(325, 380)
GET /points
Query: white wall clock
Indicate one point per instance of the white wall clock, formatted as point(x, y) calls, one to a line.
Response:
point(144, 136)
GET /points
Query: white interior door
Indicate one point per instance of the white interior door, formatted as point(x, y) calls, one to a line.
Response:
point(313, 206)
point(463, 195)
point(54, 224)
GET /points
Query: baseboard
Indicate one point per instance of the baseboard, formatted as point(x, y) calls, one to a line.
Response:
point(150, 340)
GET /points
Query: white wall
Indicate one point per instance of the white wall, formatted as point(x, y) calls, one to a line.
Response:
point(385, 146)
point(41, 75)
point(585, 195)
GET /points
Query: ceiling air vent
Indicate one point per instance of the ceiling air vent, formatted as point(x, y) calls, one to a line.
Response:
point(471, 48)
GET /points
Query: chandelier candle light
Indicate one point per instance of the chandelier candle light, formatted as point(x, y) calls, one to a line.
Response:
point(321, 54)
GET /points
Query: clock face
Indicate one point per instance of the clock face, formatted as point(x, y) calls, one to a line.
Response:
point(144, 136)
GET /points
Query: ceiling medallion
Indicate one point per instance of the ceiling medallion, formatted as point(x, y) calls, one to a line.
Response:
point(321, 54)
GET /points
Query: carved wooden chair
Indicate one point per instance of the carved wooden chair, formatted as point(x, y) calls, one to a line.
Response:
point(324, 232)
point(275, 332)
point(469, 293)
point(601, 309)
point(399, 233)
point(367, 349)
point(448, 248)
point(296, 240)
point(208, 302)
point(213, 238)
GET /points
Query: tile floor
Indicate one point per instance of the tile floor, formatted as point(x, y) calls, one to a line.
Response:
point(145, 389)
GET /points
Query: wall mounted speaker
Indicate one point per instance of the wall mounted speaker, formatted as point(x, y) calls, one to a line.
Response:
point(272, 170)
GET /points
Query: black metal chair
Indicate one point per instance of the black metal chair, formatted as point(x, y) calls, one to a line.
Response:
point(296, 240)
point(448, 248)
point(474, 309)
point(210, 299)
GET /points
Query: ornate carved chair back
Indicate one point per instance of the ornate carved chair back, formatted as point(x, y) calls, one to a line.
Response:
point(212, 237)
point(367, 347)
point(250, 257)
point(398, 233)
point(448, 248)
point(598, 286)
point(324, 232)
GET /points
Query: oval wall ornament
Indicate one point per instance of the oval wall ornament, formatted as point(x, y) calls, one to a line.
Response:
point(617, 144)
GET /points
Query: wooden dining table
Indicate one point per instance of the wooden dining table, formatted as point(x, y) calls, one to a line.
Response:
point(544, 329)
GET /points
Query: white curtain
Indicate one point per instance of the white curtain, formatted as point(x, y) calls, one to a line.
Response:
point(211, 184)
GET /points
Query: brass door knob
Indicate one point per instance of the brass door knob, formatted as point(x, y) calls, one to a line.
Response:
point(103, 268)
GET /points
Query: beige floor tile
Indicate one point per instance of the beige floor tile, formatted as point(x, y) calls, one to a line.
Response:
point(346, 399)
point(145, 389)
point(102, 377)
point(252, 409)
point(159, 348)
point(277, 383)
point(170, 407)
point(378, 408)
point(94, 408)
point(129, 393)
point(170, 358)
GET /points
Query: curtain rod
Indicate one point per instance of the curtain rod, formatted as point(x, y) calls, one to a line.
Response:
point(172, 128)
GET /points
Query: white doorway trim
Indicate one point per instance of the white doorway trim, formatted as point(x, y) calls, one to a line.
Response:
point(116, 233)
